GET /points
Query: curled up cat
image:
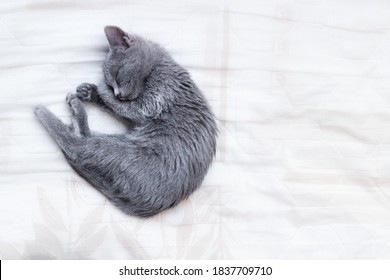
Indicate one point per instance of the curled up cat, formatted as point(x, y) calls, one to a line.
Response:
point(171, 131)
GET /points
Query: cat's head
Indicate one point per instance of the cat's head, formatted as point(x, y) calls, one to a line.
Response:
point(128, 63)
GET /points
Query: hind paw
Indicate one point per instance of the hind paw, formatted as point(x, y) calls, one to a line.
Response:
point(69, 97)
point(75, 103)
point(39, 109)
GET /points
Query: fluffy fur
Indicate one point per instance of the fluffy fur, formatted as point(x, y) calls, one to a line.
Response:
point(171, 138)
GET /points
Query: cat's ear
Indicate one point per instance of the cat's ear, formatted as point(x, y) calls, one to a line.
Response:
point(117, 37)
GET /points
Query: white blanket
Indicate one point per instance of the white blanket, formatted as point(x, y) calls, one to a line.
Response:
point(301, 90)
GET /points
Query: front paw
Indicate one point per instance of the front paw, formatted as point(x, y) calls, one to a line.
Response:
point(86, 91)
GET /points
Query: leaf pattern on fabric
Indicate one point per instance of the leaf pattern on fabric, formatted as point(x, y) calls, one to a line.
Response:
point(90, 223)
point(45, 245)
point(9, 252)
point(49, 212)
point(88, 245)
point(128, 242)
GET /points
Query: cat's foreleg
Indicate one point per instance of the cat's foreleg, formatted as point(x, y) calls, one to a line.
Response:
point(107, 100)
point(79, 115)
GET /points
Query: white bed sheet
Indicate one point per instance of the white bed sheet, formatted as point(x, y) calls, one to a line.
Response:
point(301, 90)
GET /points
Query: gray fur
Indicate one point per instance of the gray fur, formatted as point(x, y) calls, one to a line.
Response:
point(171, 138)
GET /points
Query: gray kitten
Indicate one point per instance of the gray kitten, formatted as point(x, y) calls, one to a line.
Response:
point(171, 137)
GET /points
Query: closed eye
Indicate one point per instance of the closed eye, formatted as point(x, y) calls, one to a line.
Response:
point(107, 82)
point(110, 87)
point(117, 75)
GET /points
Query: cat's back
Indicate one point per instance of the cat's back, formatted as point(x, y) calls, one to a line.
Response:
point(184, 118)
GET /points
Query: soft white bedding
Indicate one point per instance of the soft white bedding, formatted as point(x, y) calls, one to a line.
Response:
point(301, 90)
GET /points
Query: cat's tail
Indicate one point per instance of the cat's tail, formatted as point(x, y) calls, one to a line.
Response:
point(57, 129)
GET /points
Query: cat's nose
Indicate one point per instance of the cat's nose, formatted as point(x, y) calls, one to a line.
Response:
point(121, 97)
point(118, 94)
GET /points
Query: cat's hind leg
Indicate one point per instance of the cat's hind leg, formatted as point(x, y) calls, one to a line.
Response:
point(58, 130)
point(79, 115)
